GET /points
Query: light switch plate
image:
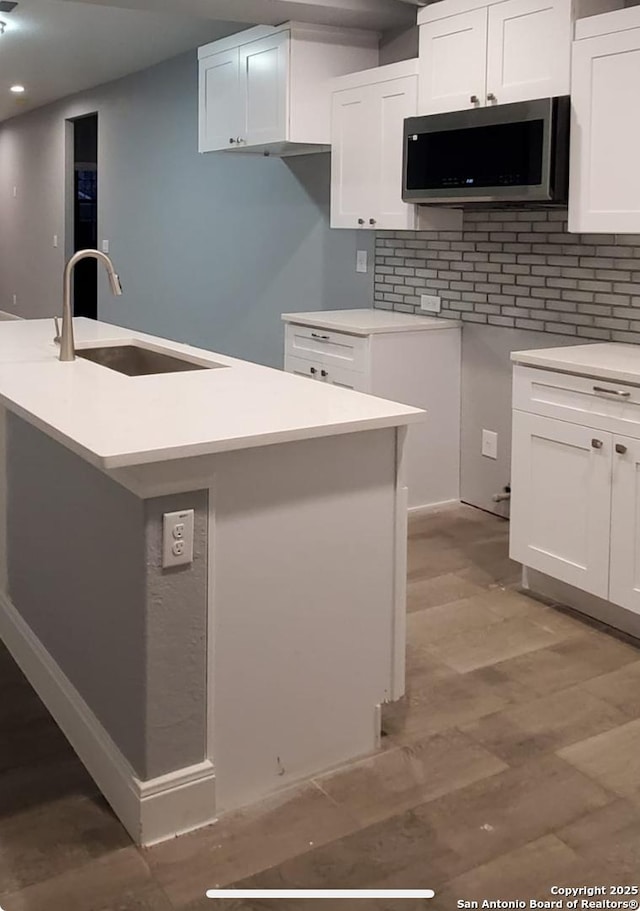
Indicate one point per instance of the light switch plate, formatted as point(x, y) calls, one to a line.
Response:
point(177, 538)
point(361, 260)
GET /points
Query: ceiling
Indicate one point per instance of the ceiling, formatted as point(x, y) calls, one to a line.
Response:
point(58, 47)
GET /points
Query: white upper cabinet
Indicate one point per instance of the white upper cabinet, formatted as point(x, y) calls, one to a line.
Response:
point(219, 91)
point(604, 188)
point(453, 62)
point(368, 113)
point(477, 53)
point(266, 89)
point(263, 77)
point(352, 164)
point(528, 50)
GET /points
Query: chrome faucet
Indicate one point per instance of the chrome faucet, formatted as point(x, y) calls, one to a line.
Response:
point(67, 345)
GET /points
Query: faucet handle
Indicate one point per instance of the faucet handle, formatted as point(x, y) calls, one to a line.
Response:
point(58, 335)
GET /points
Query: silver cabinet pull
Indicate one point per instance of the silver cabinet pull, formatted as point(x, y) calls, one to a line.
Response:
point(597, 444)
point(620, 448)
point(491, 97)
point(231, 140)
point(324, 373)
point(372, 221)
point(312, 370)
point(619, 392)
point(474, 99)
point(361, 221)
point(322, 338)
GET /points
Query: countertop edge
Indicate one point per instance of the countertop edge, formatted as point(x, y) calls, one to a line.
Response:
point(313, 323)
point(172, 454)
point(178, 452)
point(560, 366)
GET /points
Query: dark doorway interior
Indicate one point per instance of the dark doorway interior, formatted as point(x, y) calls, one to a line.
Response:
point(85, 213)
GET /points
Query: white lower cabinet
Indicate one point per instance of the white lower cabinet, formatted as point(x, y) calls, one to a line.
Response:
point(405, 358)
point(561, 501)
point(327, 373)
point(624, 583)
point(575, 506)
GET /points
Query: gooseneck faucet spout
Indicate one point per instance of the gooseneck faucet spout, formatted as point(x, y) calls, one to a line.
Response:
point(67, 344)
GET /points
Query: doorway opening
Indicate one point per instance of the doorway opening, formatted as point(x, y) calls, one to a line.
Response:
point(85, 213)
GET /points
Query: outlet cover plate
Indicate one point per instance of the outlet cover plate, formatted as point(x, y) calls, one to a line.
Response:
point(490, 444)
point(177, 538)
point(430, 303)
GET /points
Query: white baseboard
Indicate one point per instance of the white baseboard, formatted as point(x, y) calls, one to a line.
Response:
point(151, 810)
point(417, 511)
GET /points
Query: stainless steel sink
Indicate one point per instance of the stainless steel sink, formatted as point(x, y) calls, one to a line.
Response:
point(137, 360)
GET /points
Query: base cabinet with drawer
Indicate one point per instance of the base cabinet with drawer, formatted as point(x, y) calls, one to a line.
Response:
point(410, 359)
point(575, 508)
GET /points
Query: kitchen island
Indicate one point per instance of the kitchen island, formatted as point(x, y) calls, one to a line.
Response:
point(194, 689)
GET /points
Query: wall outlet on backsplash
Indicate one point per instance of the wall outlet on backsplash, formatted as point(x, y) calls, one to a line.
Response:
point(430, 303)
point(490, 444)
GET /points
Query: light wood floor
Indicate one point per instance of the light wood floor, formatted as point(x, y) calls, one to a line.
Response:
point(511, 765)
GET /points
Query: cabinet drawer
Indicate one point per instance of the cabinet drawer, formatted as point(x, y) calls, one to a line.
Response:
point(334, 374)
point(603, 404)
point(331, 348)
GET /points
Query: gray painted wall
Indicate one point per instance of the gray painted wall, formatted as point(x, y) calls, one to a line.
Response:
point(211, 248)
point(84, 571)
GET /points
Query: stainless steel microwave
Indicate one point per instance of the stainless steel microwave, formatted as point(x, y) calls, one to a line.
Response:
point(507, 153)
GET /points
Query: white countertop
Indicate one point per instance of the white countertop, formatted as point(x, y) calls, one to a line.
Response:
point(114, 420)
point(368, 321)
point(608, 360)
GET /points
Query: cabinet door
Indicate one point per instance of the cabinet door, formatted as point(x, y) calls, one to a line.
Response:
point(624, 586)
point(528, 50)
point(353, 135)
point(219, 101)
point(264, 89)
point(604, 189)
point(393, 101)
point(453, 62)
point(560, 502)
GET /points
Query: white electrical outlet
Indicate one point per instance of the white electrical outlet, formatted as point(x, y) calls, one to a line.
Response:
point(490, 444)
point(55, 240)
point(177, 538)
point(105, 246)
point(15, 300)
point(430, 303)
point(361, 260)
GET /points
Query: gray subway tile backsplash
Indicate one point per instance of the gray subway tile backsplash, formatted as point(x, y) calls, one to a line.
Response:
point(517, 269)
